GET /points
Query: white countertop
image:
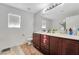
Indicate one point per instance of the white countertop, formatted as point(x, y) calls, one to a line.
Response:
point(60, 35)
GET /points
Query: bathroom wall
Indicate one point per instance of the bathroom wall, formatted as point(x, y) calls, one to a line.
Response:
point(14, 36)
point(38, 22)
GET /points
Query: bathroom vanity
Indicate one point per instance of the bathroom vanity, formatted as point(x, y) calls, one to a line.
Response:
point(56, 44)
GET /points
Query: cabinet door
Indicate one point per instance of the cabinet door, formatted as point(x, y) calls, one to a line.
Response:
point(45, 44)
point(70, 47)
point(44, 50)
point(55, 46)
point(36, 40)
point(45, 41)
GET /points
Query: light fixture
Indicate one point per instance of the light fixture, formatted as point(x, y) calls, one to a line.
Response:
point(51, 7)
point(44, 10)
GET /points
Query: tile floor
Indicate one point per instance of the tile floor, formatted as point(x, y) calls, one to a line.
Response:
point(30, 50)
point(23, 49)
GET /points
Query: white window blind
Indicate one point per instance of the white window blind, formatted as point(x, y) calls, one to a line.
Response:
point(14, 21)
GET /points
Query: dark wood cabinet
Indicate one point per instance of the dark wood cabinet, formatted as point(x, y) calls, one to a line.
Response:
point(36, 40)
point(63, 46)
point(44, 50)
point(45, 44)
point(70, 47)
point(55, 45)
point(45, 41)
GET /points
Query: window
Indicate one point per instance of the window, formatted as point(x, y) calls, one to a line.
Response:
point(43, 23)
point(14, 21)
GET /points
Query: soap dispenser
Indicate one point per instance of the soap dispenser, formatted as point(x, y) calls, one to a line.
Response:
point(70, 31)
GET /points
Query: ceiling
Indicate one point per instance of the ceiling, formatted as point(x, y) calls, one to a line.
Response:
point(29, 7)
point(59, 12)
point(62, 11)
